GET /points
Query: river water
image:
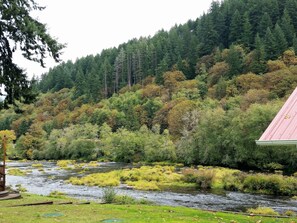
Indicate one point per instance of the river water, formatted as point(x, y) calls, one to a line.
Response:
point(53, 179)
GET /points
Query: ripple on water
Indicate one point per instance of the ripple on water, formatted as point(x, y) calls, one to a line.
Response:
point(53, 179)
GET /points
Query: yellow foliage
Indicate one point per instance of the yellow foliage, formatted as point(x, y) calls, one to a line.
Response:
point(274, 65)
point(262, 211)
point(65, 163)
point(10, 135)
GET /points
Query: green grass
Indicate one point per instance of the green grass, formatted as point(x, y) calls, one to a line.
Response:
point(128, 213)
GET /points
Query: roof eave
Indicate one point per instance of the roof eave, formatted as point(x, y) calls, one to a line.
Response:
point(276, 142)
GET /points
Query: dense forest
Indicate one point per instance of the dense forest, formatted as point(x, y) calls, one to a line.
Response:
point(200, 93)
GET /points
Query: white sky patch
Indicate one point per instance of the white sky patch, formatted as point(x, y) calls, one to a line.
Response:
point(89, 26)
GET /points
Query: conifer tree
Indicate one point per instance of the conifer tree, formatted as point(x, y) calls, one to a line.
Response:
point(236, 28)
point(270, 45)
point(18, 30)
point(264, 24)
point(287, 27)
point(281, 42)
point(247, 35)
point(258, 63)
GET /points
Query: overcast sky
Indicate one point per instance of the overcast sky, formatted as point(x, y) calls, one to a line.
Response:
point(89, 26)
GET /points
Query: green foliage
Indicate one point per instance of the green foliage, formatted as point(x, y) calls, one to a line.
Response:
point(142, 101)
point(109, 195)
point(20, 30)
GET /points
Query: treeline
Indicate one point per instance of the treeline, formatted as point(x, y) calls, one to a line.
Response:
point(201, 93)
point(170, 122)
point(263, 30)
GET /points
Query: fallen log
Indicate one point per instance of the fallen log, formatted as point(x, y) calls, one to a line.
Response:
point(33, 204)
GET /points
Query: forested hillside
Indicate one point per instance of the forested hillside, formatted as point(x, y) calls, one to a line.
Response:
point(254, 31)
point(201, 93)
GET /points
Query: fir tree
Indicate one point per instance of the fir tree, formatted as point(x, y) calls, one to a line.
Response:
point(247, 34)
point(264, 24)
point(236, 28)
point(258, 63)
point(287, 27)
point(270, 45)
point(280, 39)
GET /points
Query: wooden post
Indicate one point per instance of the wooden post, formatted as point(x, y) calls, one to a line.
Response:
point(2, 172)
point(4, 141)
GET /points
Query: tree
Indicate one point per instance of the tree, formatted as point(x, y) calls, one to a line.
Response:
point(236, 28)
point(280, 39)
point(19, 31)
point(265, 23)
point(287, 27)
point(258, 57)
point(270, 45)
point(247, 35)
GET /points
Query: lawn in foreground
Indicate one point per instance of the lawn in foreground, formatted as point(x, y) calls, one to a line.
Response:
point(88, 213)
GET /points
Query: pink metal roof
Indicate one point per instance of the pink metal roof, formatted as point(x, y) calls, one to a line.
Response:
point(283, 128)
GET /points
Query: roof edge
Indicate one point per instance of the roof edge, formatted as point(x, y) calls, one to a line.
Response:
point(276, 142)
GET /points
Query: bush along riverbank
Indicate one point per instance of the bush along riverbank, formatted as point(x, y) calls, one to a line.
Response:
point(202, 178)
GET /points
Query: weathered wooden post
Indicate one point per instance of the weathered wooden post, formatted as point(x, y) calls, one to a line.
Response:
point(2, 167)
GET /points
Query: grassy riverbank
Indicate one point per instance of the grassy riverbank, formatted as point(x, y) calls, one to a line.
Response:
point(124, 213)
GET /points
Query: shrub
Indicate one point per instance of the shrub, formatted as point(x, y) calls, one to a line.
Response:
point(109, 195)
point(202, 178)
point(262, 211)
point(144, 185)
point(263, 183)
point(233, 182)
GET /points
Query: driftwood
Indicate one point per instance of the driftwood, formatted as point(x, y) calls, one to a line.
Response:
point(34, 204)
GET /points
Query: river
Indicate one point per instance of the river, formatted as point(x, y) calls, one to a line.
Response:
point(53, 179)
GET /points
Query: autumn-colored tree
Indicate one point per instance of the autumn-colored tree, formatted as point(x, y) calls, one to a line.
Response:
point(151, 91)
point(171, 80)
point(274, 65)
point(260, 96)
point(289, 57)
point(175, 117)
point(217, 71)
point(248, 81)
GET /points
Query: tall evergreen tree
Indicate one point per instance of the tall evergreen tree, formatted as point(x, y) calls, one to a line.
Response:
point(265, 23)
point(258, 61)
point(236, 28)
point(287, 27)
point(247, 35)
point(295, 43)
point(291, 7)
point(208, 36)
point(270, 45)
point(280, 39)
point(235, 61)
